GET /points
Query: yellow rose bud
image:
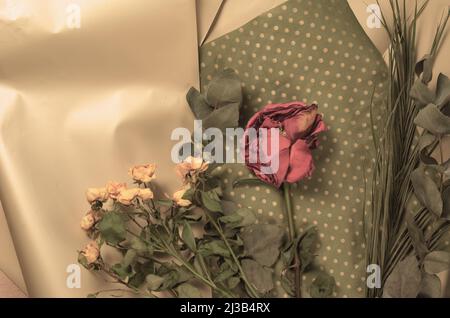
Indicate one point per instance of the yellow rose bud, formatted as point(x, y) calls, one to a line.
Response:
point(88, 221)
point(178, 198)
point(127, 196)
point(91, 252)
point(114, 189)
point(96, 194)
point(145, 194)
point(143, 173)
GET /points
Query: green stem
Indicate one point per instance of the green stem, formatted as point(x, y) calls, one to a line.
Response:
point(292, 237)
point(250, 287)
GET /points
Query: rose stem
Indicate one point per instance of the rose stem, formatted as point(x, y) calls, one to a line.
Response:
point(292, 236)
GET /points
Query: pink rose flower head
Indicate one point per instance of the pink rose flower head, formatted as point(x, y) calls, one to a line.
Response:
point(286, 156)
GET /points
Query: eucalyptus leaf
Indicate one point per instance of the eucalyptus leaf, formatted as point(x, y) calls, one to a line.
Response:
point(223, 118)
point(258, 276)
point(188, 236)
point(198, 104)
point(422, 95)
point(437, 262)
point(187, 290)
point(211, 201)
point(433, 120)
point(417, 237)
point(430, 286)
point(427, 191)
point(112, 228)
point(323, 286)
point(442, 91)
point(262, 242)
point(405, 280)
point(224, 89)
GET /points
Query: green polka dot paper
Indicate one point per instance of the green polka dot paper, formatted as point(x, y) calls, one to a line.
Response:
point(316, 52)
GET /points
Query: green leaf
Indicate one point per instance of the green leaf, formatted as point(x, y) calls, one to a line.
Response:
point(211, 201)
point(306, 247)
point(437, 262)
point(223, 118)
point(198, 104)
point(154, 282)
point(323, 286)
point(129, 258)
point(142, 270)
point(258, 276)
point(188, 237)
point(241, 218)
point(422, 95)
point(427, 191)
point(214, 248)
point(430, 286)
point(124, 272)
point(417, 237)
point(442, 91)
point(188, 291)
point(433, 120)
point(405, 280)
point(262, 242)
point(224, 89)
point(250, 181)
point(112, 228)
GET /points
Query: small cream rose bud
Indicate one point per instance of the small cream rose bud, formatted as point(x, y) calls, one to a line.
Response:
point(145, 194)
point(127, 196)
point(191, 167)
point(143, 173)
point(91, 252)
point(88, 221)
point(96, 194)
point(114, 188)
point(178, 198)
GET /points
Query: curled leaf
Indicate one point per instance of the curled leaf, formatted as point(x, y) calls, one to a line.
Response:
point(405, 280)
point(433, 120)
point(258, 276)
point(427, 191)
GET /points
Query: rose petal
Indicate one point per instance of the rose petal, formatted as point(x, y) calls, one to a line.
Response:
point(301, 164)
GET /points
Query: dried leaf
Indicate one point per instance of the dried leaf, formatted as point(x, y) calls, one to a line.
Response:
point(258, 276)
point(154, 282)
point(417, 237)
point(442, 91)
point(437, 262)
point(262, 242)
point(112, 228)
point(214, 248)
point(422, 95)
point(430, 286)
point(405, 280)
point(433, 120)
point(224, 89)
point(323, 286)
point(427, 191)
point(222, 118)
point(188, 236)
point(211, 201)
point(188, 291)
point(198, 104)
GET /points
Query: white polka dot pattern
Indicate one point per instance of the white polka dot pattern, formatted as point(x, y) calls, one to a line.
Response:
point(313, 51)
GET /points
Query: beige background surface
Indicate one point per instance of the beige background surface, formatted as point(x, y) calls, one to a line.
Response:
point(236, 13)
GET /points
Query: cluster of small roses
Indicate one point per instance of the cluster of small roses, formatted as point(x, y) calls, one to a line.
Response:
point(116, 192)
